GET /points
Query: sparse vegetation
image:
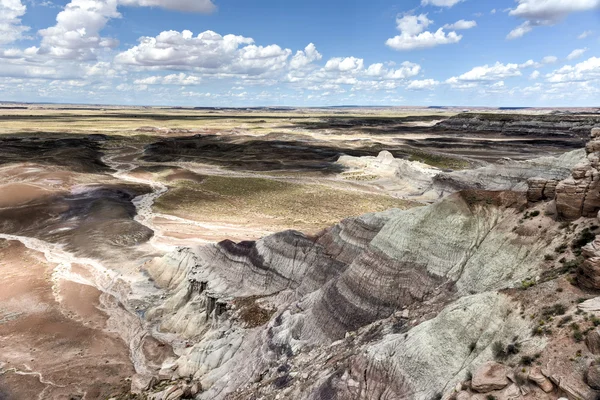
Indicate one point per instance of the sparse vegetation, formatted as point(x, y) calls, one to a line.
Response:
point(585, 236)
point(562, 248)
point(269, 202)
point(527, 283)
point(501, 352)
point(556, 309)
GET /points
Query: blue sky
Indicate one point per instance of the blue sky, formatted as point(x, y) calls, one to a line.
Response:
point(309, 53)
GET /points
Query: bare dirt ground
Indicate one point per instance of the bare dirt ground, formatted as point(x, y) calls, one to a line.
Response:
point(53, 337)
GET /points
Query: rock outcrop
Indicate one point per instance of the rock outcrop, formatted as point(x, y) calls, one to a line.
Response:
point(589, 272)
point(419, 181)
point(430, 262)
point(579, 195)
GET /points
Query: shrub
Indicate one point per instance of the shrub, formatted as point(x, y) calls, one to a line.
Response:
point(527, 360)
point(513, 348)
point(527, 283)
point(562, 248)
point(499, 351)
point(548, 257)
point(534, 214)
point(556, 309)
point(565, 320)
point(472, 347)
point(578, 336)
point(585, 237)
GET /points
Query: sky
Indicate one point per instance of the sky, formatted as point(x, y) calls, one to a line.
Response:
point(240, 53)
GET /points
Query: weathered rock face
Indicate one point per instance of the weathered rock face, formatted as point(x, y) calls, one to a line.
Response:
point(579, 195)
point(541, 189)
point(589, 272)
point(536, 375)
point(345, 280)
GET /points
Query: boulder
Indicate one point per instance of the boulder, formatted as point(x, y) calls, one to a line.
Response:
point(592, 376)
point(592, 341)
point(141, 383)
point(175, 395)
point(535, 375)
point(489, 377)
point(590, 306)
point(463, 396)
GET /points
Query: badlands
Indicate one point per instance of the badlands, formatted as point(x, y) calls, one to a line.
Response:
point(341, 253)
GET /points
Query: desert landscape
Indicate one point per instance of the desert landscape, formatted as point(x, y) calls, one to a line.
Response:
point(299, 253)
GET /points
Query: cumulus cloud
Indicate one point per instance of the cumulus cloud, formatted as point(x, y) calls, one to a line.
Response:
point(422, 84)
point(201, 6)
point(585, 71)
point(549, 60)
point(413, 35)
point(208, 52)
point(76, 34)
point(488, 73)
point(546, 12)
point(407, 70)
point(585, 34)
point(180, 79)
point(344, 64)
point(440, 3)
point(461, 25)
point(11, 28)
point(304, 58)
point(576, 54)
point(534, 75)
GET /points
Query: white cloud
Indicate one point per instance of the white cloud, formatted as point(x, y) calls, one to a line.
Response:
point(546, 12)
point(440, 3)
point(549, 60)
point(461, 25)
point(576, 54)
point(11, 29)
point(585, 34)
point(520, 31)
point(529, 64)
point(488, 73)
point(534, 75)
point(493, 11)
point(585, 71)
point(344, 64)
point(76, 34)
point(180, 79)
point(207, 52)
point(201, 6)
point(304, 58)
point(413, 35)
point(422, 84)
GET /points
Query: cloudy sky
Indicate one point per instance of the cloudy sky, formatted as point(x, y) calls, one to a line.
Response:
point(301, 53)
